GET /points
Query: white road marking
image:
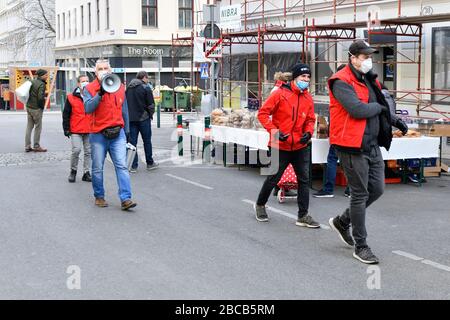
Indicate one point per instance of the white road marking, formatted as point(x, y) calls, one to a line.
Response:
point(189, 181)
point(283, 213)
point(422, 260)
point(436, 265)
point(407, 255)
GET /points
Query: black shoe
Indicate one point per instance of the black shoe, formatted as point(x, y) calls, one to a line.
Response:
point(365, 255)
point(260, 213)
point(87, 177)
point(152, 166)
point(344, 233)
point(347, 193)
point(307, 221)
point(323, 194)
point(72, 176)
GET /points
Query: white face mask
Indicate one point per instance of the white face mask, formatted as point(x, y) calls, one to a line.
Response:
point(366, 65)
point(84, 84)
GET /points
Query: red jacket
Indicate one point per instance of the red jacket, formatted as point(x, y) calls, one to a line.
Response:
point(346, 131)
point(80, 121)
point(292, 112)
point(109, 111)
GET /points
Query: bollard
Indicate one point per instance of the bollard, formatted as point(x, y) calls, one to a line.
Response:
point(207, 141)
point(158, 115)
point(180, 133)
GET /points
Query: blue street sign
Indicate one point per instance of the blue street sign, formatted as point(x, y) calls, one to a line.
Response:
point(204, 73)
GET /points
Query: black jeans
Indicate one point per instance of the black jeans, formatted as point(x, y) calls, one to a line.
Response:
point(365, 175)
point(300, 160)
point(145, 128)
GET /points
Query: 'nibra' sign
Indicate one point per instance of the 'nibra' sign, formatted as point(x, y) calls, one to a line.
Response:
point(230, 16)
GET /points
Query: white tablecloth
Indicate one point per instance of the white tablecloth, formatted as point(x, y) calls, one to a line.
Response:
point(401, 148)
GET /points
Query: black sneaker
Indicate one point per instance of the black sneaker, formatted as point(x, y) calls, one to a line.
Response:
point(152, 166)
point(260, 213)
point(323, 194)
point(344, 233)
point(347, 193)
point(72, 176)
point(365, 255)
point(307, 221)
point(87, 177)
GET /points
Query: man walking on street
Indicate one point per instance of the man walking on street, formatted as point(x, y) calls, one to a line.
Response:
point(141, 107)
point(109, 134)
point(76, 126)
point(360, 122)
point(288, 115)
point(35, 110)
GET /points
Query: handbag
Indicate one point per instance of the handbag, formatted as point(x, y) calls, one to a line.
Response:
point(23, 92)
point(112, 132)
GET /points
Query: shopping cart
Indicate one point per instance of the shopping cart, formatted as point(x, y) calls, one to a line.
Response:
point(287, 185)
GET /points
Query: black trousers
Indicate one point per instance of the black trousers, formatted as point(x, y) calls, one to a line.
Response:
point(300, 160)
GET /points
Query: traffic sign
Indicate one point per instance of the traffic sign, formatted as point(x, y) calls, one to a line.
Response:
point(213, 48)
point(204, 74)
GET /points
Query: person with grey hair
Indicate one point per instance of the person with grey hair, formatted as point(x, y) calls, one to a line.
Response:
point(141, 107)
point(109, 134)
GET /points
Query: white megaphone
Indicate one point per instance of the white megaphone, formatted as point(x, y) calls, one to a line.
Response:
point(111, 83)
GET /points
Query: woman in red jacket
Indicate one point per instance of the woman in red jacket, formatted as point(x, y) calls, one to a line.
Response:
point(288, 115)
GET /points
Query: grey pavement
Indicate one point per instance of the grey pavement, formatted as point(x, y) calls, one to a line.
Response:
point(193, 234)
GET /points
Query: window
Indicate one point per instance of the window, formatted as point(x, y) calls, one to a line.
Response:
point(64, 26)
point(89, 18)
point(150, 13)
point(82, 20)
point(107, 14)
point(441, 62)
point(59, 28)
point(70, 26)
point(75, 21)
point(98, 15)
point(185, 14)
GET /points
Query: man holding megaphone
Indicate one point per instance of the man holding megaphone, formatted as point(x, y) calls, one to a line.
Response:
point(105, 99)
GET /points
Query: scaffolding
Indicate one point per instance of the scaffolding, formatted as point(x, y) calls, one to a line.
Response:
point(330, 34)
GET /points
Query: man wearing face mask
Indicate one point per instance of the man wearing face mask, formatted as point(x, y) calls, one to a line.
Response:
point(288, 115)
point(360, 122)
point(77, 126)
point(109, 134)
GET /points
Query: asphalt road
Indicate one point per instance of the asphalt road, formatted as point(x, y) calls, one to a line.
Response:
point(193, 234)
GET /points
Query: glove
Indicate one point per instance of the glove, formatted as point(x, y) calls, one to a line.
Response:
point(384, 108)
point(101, 92)
point(282, 136)
point(402, 126)
point(305, 138)
point(67, 134)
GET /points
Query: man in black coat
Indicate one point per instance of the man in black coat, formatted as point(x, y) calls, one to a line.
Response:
point(141, 107)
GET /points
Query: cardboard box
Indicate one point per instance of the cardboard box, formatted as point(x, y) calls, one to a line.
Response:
point(432, 171)
point(435, 130)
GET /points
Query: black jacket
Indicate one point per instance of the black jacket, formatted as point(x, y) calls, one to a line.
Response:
point(37, 94)
point(141, 104)
point(67, 112)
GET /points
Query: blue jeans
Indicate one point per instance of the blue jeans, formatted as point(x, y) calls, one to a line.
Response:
point(331, 170)
point(100, 146)
point(145, 128)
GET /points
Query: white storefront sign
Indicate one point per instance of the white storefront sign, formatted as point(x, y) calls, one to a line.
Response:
point(230, 17)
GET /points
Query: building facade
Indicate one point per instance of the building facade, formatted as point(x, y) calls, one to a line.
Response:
point(396, 63)
point(24, 40)
point(134, 35)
